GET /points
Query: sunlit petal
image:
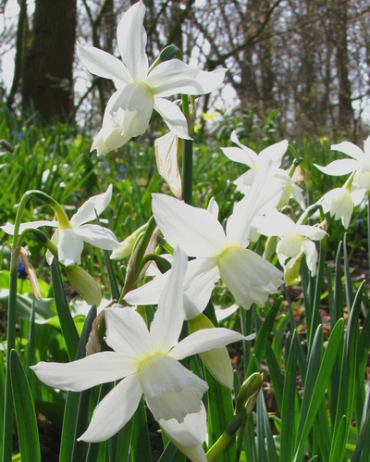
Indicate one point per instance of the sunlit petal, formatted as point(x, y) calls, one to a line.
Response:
point(96, 235)
point(127, 332)
point(70, 247)
point(171, 390)
point(206, 339)
point(339, 167)
point(131, 39)
point(172, 77)
point(104, 65)
point(169, 316)
point(173, 117)
point(193, 229)
point(92, 207)
point(349, 149)
point(116, 409)
point(274, 152)
point(84, 373)
point(9, 227)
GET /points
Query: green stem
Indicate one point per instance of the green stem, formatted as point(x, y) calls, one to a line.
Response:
point(187, 158)
point(368, 227)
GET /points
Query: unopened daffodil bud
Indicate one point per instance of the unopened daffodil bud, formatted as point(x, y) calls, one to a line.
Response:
point(248, 393)
point(217, 361)
point(125, 247)
point(84, 284)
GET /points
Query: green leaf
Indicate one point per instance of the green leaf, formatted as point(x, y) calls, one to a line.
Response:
point(289, 405)
point(313, 396)
point(24, 412)
point(339, 441)
point(66, 321)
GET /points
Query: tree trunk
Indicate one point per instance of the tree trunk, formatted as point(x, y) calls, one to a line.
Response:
point(47, 81)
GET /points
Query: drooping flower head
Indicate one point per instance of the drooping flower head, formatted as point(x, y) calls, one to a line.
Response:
point(141, 88)
point(70, 235)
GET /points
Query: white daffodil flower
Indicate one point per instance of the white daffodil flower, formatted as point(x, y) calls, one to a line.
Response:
point(70, 235)
point(339, 202)
point(141, 88)
point(295, 239)
point(148, 363)
point(254, 161)
point(359, 163)
point(248, 276)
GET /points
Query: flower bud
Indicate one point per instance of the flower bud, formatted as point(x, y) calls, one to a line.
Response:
point(248, 393)
point(84, 284)
point(217, 361)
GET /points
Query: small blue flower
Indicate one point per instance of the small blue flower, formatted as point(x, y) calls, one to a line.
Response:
point(21, 269)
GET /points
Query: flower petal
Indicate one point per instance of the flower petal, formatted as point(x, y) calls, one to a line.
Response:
point(70, 247)
point(274, 152)
point(173, 117)
point(84, 373)
point(96, 235)
point(189, 435)
point(114, 411)
point(131, 39)
point(166, 326)
point(243, 156)
point(127, 332)
point(105, 65)
point(349, 149)
point(339, 167)
point(171, 391)
point(249, 277)
point(195, 230)
point(9, 228)
point(92, 207)
point(172, 77)
point(204, 340)
point(313, 232)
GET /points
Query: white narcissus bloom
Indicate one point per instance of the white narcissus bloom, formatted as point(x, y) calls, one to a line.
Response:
point(147, 361)
point(70, 235)
point(248, 276)
point(254, 161)
point(295, 239)
point(339, 202)
point(359, 163)
point(141, 88)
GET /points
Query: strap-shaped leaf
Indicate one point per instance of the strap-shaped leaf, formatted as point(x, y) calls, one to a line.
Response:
point(24, 412)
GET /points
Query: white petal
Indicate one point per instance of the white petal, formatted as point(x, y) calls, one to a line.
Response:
point(313, 232)
point(116, 409)
point(127, 332)
point(199, 282)
point(108, 139)
point(195, 230)
point(350, 149)
point(248, 276)
point(70, 247)
point(170, 390)
point(84, 373)
point(149, 293)
point(207, 82)
point(367, 146)
point(310, 250)
point(92, 207)
point(173, 117)
point(274, 152)
point(204, 340)
point(9, 228)
point(243, 156)
point(131, 39)
point(96, 235)
point(213, 207)
point(290, 245)
point(166, 326)
point(274, 224)
point(189, 435)
point(104, 65)
point(339, 167)
point(172, 77)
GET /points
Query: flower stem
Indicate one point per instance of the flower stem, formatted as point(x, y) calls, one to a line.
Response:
point(187, 158)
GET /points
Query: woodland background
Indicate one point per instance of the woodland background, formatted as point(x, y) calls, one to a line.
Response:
point(306, 62)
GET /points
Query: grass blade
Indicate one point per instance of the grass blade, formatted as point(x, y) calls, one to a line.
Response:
point(24, 411)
